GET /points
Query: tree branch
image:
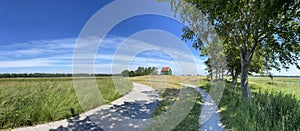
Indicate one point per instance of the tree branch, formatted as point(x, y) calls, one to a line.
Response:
point(252, 51)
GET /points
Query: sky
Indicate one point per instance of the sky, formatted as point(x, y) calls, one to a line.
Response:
point(41, 36)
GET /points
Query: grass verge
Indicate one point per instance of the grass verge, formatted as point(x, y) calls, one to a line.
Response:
point(191, 120)
point(169, 88)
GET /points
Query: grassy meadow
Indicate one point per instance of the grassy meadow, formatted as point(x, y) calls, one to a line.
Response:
point(284, 84)
point(275, 105)
point(30, 101)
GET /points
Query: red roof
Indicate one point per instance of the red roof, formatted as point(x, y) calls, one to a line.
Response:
point(165, 69)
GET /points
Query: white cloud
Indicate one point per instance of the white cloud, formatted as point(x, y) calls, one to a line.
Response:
point(38, 48)
point(57, 56)
point(134, 52)
point(39, 62)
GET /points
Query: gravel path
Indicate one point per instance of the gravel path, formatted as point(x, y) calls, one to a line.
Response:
point(130, 112)
point(209, 118)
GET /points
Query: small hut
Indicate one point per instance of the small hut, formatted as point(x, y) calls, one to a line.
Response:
point(166, 71)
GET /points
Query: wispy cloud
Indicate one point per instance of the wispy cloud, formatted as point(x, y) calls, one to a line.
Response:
point(134, 52)
point(114, 55)
point(57, 55)
point(39, 62)
point(37, 49)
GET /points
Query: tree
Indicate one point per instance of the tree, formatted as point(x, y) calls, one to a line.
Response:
point(267, 28)
point(153, 71)
point(233, 61)
point(125, 73)
point(209, 68)
point(140, 71)
point(271, 77)
point(131, 74)
point(213, 48)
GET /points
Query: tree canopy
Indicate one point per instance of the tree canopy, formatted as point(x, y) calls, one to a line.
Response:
point(268, 29)
point(140, 71)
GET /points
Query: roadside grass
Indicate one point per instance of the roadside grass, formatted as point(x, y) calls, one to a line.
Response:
point(271, 107)
point(31, 101)
point(169, 88)
point(191, 120)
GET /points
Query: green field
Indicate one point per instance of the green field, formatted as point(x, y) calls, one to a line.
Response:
point(30, 101)
point(286, 85)
point(275, 105)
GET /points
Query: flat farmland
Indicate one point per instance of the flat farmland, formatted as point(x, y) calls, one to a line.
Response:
point(288, 85)
point(30, 101)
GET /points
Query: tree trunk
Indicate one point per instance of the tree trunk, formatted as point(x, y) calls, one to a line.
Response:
point(216, 77)
point(244, 79)
point(234, 78)
point(222, 74)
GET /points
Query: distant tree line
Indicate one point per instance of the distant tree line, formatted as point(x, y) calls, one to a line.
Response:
point(23, 75)
point(140, 71)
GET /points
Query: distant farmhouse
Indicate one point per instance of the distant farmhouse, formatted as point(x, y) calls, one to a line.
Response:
point(166, 71)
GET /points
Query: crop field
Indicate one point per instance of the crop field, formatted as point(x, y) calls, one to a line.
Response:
point(286, 85)
point(30, 101)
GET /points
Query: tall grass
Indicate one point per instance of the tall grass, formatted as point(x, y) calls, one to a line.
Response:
point(266, 110)
point(30, 101)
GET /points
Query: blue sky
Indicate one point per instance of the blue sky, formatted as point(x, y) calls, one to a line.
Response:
point(40, 36)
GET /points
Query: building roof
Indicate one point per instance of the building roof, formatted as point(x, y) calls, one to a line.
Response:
point(165, 69)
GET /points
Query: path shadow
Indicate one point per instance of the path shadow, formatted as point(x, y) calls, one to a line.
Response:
point(127, 116)
point(136, 110)
point(75, 124)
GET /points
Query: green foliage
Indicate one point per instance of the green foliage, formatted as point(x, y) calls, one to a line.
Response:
point(267, 28)
point(140, 71)
point(125, 73)
point(30, 101)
